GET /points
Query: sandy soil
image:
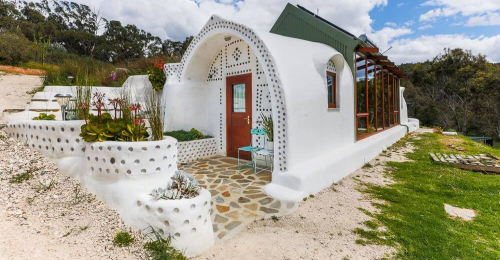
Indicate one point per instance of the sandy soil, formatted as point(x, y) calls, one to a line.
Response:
point(13, 88)
point(50, 216)
point(322, 226)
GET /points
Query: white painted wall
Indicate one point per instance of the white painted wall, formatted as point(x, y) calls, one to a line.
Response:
point(314, 145)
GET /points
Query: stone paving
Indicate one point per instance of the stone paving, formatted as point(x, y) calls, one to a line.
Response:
point(238, 198)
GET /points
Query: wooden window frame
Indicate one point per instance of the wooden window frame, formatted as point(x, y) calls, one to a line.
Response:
point(334, 90)
point(391, 104)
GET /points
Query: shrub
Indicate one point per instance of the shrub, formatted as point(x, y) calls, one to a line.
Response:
point(14, 48)
point(184, 136)
point(157, 78)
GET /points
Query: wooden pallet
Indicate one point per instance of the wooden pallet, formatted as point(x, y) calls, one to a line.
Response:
point(482, 162)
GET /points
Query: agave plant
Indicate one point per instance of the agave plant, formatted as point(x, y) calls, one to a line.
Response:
point(181, 186)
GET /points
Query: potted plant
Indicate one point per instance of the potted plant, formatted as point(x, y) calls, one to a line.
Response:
point(181, 209)
point(121, 145)
point(267, 124)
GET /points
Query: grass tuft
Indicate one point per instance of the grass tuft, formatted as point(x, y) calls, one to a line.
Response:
point(122, 239)
point(22, 177)
point(160, 249)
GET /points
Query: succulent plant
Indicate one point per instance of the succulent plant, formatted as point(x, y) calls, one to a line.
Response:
point(181, 186)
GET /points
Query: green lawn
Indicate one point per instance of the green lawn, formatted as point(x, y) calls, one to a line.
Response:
point(414, 215)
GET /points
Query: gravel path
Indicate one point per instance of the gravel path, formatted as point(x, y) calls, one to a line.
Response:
point(50, 216)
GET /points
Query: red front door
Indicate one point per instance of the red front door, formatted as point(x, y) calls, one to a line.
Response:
point(239, 114)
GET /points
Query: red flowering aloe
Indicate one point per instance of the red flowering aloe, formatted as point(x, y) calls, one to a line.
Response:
point(115, 103)
point(98, 103)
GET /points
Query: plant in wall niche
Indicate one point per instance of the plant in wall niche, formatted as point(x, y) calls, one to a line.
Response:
point(267, 124)
point(44, 116)
point(181, 186)
point(157, 76)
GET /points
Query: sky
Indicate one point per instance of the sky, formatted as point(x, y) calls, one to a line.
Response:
point(417, 30)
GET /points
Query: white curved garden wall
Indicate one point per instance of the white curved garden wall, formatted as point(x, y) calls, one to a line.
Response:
point(111, 159)
point(195, 150)
point(122, 173)
point(186, 220)
point(53, 139)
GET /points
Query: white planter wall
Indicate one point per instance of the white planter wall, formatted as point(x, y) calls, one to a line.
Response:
point(186, 220)
point(53, 139)
point(122, 174)
point(195, 150)
point(126, 159)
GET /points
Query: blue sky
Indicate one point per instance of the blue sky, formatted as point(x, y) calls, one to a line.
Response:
point(401, 12)
point(416, 29)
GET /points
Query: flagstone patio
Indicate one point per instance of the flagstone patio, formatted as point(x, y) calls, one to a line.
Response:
point(238, 198)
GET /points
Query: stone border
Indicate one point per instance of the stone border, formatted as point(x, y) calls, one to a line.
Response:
point(197, 149)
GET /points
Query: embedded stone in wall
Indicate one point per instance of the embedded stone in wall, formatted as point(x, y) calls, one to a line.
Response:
point(195, 150)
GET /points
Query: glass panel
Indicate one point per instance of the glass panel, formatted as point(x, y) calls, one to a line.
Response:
point(239, 98)
point(386, 99)
point(361, 85)
point(380, 104)
point(371, 98)
point(389, 103)
point(329, 85)
point(362, 126)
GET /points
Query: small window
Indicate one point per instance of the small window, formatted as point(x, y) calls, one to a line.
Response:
point(331, 84)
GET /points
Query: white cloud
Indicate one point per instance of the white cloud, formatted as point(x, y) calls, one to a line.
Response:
point(400, 4)
point(386, 35)
point(465, 8)
point(425, 26)
point(484, 20)
point(409, 23)
point(427, 47)
point(391, 24)
point(176, 19)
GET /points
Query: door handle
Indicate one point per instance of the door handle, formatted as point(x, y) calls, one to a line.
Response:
point(248, 119)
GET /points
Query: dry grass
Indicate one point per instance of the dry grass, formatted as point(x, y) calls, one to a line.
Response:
point(18, 70)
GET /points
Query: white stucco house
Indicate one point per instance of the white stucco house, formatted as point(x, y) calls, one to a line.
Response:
point(324, 124)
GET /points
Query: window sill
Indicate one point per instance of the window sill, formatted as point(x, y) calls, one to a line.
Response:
point(331, 109)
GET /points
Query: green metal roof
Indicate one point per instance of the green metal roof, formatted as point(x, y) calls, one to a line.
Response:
point(298, 22)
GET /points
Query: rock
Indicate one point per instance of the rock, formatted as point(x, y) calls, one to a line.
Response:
point(464, 214)
point(232, 225)
point(222, 208)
